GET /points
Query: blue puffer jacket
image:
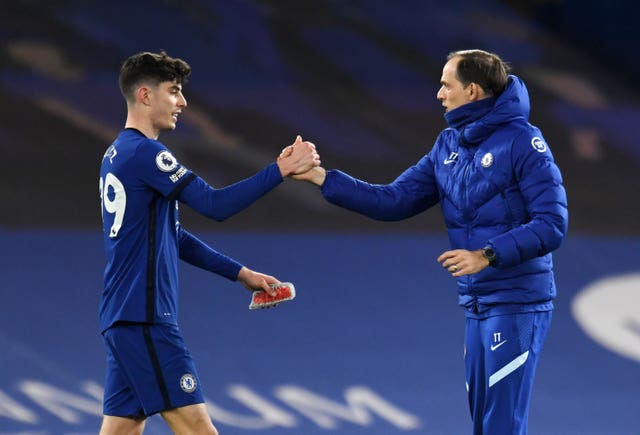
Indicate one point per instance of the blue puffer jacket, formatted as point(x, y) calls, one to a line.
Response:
point(497, 183)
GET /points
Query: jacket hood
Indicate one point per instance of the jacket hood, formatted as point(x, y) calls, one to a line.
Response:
point(478, 120)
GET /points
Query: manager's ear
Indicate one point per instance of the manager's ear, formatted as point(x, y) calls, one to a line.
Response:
point(475, 92)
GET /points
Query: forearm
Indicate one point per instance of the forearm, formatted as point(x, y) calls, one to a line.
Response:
point(543, 234)
point(223, 203)
point(389, 202)
point(199, 254)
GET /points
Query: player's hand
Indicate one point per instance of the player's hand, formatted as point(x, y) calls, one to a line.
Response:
point(460, 262)
point(285, 291)
point(298, 158)
point(286, 151)
point(257, 281)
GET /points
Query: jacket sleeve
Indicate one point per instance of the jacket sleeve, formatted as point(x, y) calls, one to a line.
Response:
point(199, 254)
point(540, 183)
point(220, 204)
point(414, 191)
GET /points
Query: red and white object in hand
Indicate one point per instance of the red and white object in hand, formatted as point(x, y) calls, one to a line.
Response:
point(285, 291)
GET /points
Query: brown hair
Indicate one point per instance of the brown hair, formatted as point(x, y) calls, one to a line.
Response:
point(485, 69)
point(152, 68)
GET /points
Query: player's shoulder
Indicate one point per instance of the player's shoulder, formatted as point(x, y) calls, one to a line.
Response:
point(133, 151)
point(133, 140)
point(140, 149)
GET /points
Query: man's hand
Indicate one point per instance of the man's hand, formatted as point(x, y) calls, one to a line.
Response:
point(298, 158)
point(257, 281)
point(315, 175)
point(461, 262)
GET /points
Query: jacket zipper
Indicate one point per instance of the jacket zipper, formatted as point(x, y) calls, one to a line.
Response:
point(465, 178)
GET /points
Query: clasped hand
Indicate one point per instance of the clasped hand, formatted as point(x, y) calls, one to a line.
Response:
point(314, 174)
point(298, 158)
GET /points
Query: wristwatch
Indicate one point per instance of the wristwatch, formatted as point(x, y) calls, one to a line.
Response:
point(490, 255)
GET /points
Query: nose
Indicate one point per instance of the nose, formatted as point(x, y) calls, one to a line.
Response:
point(440, 94)
point(182, 101)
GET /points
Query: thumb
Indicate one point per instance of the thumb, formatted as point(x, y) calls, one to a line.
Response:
point(267, 288)
point(298, 139)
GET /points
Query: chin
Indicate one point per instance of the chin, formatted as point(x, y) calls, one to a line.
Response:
point(169, 127)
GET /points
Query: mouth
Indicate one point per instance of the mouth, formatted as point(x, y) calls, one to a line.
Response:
point(175, 115)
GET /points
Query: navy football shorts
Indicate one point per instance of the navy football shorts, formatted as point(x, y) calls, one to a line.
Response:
point(149, 370)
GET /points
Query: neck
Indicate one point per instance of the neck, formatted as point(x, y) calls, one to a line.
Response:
point(470, 112)
point(144, 125)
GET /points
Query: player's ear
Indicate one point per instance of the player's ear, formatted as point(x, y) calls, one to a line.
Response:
point(142, 95)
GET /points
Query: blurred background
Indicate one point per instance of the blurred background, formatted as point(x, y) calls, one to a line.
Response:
point(359, 79)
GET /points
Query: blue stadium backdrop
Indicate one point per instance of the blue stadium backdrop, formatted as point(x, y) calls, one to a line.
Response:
point(371, 345)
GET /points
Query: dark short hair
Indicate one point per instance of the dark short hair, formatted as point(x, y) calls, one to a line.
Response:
point(485, 69)
point(152, 68)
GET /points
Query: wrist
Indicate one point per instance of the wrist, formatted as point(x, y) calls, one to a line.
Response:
point(284, 170)
point(490, 255)
point(242, 274)
point(319, 174)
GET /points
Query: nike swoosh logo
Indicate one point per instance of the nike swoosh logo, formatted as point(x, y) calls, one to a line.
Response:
point(447, 161)
point(495, 346)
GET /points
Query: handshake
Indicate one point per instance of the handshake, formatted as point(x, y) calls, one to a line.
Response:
point(301, 161)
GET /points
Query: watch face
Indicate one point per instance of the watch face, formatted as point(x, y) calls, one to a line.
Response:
point(489, 254)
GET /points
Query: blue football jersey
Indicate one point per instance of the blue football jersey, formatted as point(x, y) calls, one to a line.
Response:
point(141, 183)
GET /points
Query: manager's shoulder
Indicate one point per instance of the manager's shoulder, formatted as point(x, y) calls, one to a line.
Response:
point(448, 133)
point(528, 139)
point(447, 137)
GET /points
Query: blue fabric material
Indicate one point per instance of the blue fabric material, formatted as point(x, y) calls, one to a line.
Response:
point(141, 184)
point(501, 356)
point(149, 370)
point(497, 183)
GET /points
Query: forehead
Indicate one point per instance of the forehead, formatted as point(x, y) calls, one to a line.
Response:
point(170, 84)
point(449, 69)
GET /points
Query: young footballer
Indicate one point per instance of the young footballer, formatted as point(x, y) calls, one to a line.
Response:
point(149, 369)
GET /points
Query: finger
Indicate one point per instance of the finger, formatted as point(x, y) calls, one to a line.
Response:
point(298, 139)
point(286, 151)
point(442, 257)
point(267, 288)
point(270, 280)
point(447, 263)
